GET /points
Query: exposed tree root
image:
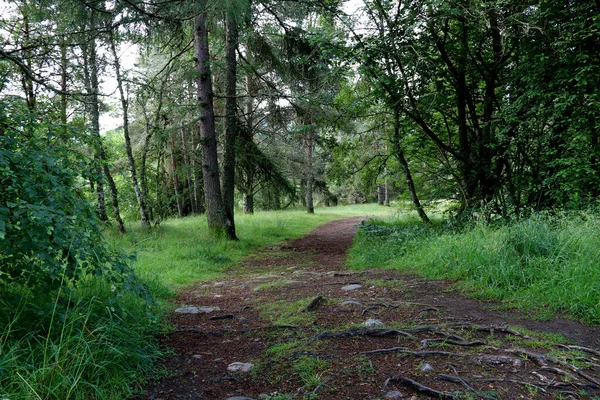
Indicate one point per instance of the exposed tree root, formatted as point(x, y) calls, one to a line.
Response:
point(541, 389)
point(404, 350)
point(586, 349)
point(465, 383)
point(359, 332)
point(313, 304)
point(231, 331)
point(422, 388)
point(426, 342)
point(544, 360)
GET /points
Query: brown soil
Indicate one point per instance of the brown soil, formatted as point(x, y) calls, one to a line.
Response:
point(434, 342)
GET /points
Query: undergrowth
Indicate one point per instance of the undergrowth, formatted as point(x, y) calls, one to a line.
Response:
point(77, 345)
point(545, 263)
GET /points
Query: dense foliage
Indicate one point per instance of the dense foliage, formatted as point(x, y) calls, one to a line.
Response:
point(50, 235)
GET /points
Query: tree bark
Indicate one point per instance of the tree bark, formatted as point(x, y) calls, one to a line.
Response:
point(380, 195)
point(231, 126)
point(176, 188)
point(310, 207)
point(92, 108)
point(95, 116)
point(248, 194)
point(399, 154)
point(215, 211)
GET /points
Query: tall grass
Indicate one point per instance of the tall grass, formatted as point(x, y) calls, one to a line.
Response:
point(180, 251)
point(78, 346)
point(549, 264)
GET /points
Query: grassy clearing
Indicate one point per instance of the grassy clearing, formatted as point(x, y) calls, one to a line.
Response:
point(180, 251)
point(546, 263)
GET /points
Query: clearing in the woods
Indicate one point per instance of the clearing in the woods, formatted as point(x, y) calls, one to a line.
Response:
point(311, 329)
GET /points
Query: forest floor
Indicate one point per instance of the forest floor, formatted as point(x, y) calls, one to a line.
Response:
point(314, 330)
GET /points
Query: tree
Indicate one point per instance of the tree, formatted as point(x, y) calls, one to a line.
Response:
point(215, 210)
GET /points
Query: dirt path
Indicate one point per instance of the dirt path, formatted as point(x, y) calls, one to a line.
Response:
point(313, 330)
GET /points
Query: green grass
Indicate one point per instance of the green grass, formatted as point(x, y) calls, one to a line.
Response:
point(180, 252)
point(546, 264)
point(78, 346)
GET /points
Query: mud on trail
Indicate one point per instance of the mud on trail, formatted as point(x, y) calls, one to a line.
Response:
point(314, 330)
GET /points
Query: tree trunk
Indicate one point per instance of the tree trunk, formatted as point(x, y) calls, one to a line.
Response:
point(95, 115)
point(176, 187)
point(387, 190)
point(125, 106)
point(399, 154)
point(63, 82)
point(215, 212)
point(92, 108)
point(248, 195)
point(143, 161)
point(186, 162)
point(231, 128)
point(197, 178)
point(380, 195)
point(310, 207)
point(27, 82)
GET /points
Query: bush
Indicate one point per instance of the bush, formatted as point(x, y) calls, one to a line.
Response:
point(50, 235)
point(75, 321)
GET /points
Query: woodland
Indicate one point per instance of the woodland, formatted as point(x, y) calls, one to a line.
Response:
point(117, 116)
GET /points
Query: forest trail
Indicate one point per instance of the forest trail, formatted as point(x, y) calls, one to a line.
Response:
point(314, 330)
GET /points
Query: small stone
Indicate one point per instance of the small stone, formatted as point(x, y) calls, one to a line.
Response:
point(352, 303)
point(351, 287)
point(217, 284)
point(426, 367)
point(394, 395)
point(373, 322)
point(240, 367)
point(292, 282)
point(240, 398)
point(268, 276)
point(188, 310)
point(208, 310)
point(197, 356)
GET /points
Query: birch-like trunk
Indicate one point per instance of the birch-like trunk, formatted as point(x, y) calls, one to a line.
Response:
point(125, 107)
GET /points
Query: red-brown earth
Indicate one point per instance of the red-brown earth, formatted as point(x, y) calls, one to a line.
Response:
point(285, 311)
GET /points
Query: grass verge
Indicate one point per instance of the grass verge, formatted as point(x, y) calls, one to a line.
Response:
point(78, 345)
point(548, 264)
